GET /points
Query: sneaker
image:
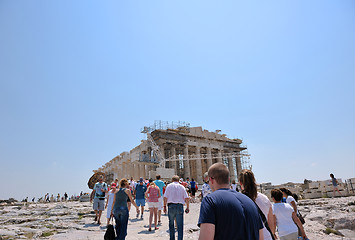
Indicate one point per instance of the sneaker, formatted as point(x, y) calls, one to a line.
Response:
point(142, 216)
point(137, 215)
point(159, 222)
point(95, 218)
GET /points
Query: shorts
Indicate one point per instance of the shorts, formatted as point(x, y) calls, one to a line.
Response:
point(99, 204)
point(161, 203)
point(153, 204)
point(140, 202)
point(193, 191)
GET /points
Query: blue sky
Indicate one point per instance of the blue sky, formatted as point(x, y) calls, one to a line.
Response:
point(79, 79)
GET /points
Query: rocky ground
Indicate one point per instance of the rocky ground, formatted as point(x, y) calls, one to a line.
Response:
point(74, 220)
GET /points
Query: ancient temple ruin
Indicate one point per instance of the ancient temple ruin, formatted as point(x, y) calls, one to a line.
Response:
point(178, 149)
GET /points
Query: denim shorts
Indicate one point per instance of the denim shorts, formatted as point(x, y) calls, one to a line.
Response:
point(140, 202)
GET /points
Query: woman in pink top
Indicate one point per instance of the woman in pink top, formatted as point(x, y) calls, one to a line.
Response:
point(153, 195)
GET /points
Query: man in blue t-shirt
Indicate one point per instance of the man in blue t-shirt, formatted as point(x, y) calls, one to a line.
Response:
point(227, 214)
point(161, 185)
point(139, 192)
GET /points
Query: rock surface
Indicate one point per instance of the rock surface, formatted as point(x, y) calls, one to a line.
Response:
point(74, 220)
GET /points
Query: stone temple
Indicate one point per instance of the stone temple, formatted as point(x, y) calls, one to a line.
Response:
point(178, 149)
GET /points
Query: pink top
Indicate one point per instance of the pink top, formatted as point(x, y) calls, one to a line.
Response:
point(175, 193)
point(153, 194)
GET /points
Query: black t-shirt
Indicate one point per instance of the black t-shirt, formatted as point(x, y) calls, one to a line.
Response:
point(234, 215)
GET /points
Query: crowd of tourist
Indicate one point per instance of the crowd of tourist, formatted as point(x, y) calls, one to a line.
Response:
point(229, 210)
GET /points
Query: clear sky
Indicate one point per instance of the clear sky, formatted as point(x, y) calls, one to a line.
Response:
point(79, 79)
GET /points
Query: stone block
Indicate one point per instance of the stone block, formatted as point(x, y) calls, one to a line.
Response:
point(313, 195)
point(313, 185)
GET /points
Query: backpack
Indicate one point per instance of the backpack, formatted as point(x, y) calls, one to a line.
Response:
point(110, 233)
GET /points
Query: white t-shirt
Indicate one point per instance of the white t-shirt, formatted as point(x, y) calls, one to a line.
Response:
point(284, 221)
point(290, 199)
point(264, 204)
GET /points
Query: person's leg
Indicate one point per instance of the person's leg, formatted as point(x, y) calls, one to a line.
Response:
point(171, 217)
point(129, 206)
point(138, 204)
point(180, 221)
point(160, 207)
point(142, 211)
point(117, 221)
point(155, 218)
point(151, 211)
point(124, 222)
point(96, 208)
point(338, 191)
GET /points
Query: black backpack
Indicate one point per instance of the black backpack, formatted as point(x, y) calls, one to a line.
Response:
point(110, 233)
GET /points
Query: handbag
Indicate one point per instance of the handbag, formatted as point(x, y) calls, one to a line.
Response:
point(110, 233)
point(300, 217)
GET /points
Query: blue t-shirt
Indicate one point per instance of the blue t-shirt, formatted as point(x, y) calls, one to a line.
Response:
point(234, 215)
point(160, 184)
point(193, 184)
point(140, 190)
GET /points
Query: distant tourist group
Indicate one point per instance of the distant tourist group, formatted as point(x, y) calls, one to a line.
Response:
point(225, 213)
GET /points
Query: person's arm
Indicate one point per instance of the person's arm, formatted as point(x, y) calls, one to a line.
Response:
point(207, 231)
point(299, 224)
point(273, 229)
point(107, 199)
point(293, 204)
point(270, 220)
point(146, 192)
point(159, 194)
point(92, 195)
point(261, 234)
point(113, 204)
point(165, 202)
point(128, 192)
point(187, 201)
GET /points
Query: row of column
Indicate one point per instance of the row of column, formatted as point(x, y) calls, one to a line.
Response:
point(140, 169)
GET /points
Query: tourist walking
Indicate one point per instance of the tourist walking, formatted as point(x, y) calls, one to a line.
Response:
point(139, 192)
point(206, 189)
point(234, 186)
point(161, 185)
point(109, 202)
point(193, 186)
point(99, 191)
point(153, 195)
point(120, 209)
point(175, 197)
point(248, 185)
point(285, 218)
point(335, 184)
point(225, 213)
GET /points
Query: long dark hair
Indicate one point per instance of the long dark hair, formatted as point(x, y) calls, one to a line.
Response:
point(247, 179)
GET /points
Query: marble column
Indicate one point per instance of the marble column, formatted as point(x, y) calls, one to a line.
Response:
point(219, 158)
point(186, 162)
point(173, 163)
point(198, 166)
point(239, 165)
point(231, 169)
point(209, 158)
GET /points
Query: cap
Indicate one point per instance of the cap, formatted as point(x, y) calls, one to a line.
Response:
point(141, 180)
point(113, 185)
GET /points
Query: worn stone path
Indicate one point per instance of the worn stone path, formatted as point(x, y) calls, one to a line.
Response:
point(74, 220)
